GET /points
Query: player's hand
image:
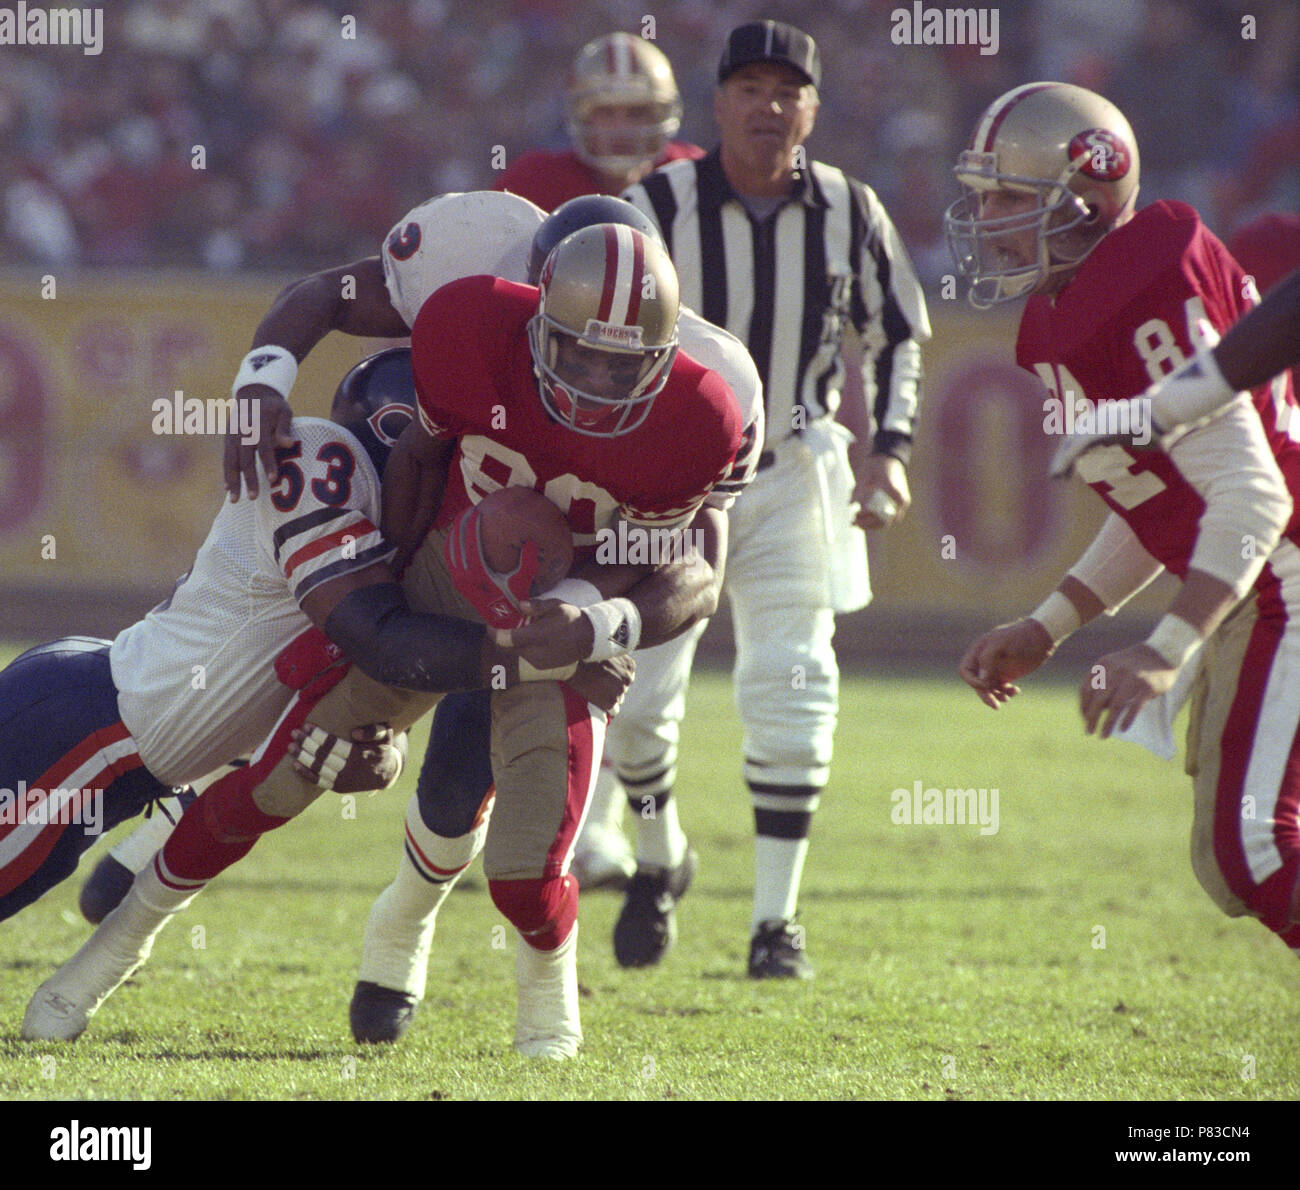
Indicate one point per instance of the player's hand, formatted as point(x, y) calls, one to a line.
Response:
point(1000, 656)
point(557, 634)
point(881, 492)
point(1121, 684)
point(603, 683)
point(274, 420)
point(373, 759)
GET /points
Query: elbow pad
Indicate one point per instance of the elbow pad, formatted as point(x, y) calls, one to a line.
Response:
point(1247, 505)
point(399, 647)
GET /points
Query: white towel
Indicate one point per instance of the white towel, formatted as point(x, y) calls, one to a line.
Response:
point(845, 543)
point(1153, 729)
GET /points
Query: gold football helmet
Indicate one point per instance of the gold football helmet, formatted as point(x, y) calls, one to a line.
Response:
point(1051, 169)
point(604, 336)
point(621, 70)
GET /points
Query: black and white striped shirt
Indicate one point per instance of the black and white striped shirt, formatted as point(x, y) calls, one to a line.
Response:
point(786, 285)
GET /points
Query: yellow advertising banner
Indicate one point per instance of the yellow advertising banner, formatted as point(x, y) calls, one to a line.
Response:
point(100, 494)
point(101, 487)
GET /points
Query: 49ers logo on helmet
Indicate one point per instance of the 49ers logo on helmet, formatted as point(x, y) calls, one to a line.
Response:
point(1107, 157)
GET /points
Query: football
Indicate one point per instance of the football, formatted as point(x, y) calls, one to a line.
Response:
point(512, 516)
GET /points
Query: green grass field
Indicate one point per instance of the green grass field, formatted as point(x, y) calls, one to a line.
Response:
point(1071, 955)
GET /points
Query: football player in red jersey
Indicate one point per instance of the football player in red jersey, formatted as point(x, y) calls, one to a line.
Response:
point(1118, 299)
point(575, 389)
point(623, 109)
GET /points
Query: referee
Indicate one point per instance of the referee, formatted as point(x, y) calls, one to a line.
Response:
point(785, 253)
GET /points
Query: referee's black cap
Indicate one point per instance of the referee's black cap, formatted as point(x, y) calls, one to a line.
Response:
point(771, 41)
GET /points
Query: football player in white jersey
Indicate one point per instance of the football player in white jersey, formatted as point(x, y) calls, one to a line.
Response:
point(241, 620)
point(198, 682)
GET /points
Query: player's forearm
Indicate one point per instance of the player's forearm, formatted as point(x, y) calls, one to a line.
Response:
point(1113, 569)
point(675, 596)
point(1264, 343)
point(1203, 601)
point(352, 299)
point(674, 599)
point(389, 642)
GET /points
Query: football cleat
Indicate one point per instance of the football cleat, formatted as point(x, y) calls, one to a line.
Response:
point(548, 1021)
point(379, 1014)
point(104, 890)
point(63, 1005)
point(394, 968)
point(776, 952)
point(647, 927)
point(52, 1017)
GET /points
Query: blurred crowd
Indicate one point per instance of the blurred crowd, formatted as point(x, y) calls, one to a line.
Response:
point(287, 135)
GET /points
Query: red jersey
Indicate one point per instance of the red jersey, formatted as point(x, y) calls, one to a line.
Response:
point(1149, 295)
point(550, 177)
point(475, 382)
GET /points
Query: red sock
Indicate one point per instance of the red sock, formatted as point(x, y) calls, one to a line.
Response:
point(217, 830)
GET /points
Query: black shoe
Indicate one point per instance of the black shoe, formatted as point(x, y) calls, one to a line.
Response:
point(379, 1014)
point(647, 927)
point(104, 889)
point(776, 952)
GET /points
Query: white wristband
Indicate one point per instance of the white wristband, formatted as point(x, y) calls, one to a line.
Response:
point(1058, 616)
point(272, 366)
point(1174, 639)
point(528, 673)
point(616, 626)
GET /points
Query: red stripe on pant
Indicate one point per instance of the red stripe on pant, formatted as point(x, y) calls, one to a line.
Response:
point(581, 768)
point(24, 865)
point(544, 911)
point(1271, 899)
point(221, 827)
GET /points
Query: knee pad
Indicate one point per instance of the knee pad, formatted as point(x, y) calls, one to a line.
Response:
point(543, 911)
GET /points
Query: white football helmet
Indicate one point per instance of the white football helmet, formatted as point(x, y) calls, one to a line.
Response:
point(1052, 168)
point(606, 320)
point(621, 70)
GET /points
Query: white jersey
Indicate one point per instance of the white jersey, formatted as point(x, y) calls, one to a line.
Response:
point(490, 232)
point(195, 678)
point(721, 352)
point(482, 232)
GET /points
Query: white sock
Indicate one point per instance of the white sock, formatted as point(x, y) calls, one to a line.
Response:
point(400, 926)
point(608, 800)
point(548, 1022)
point(660, 840)
point(138, 848)
point(778, 868)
